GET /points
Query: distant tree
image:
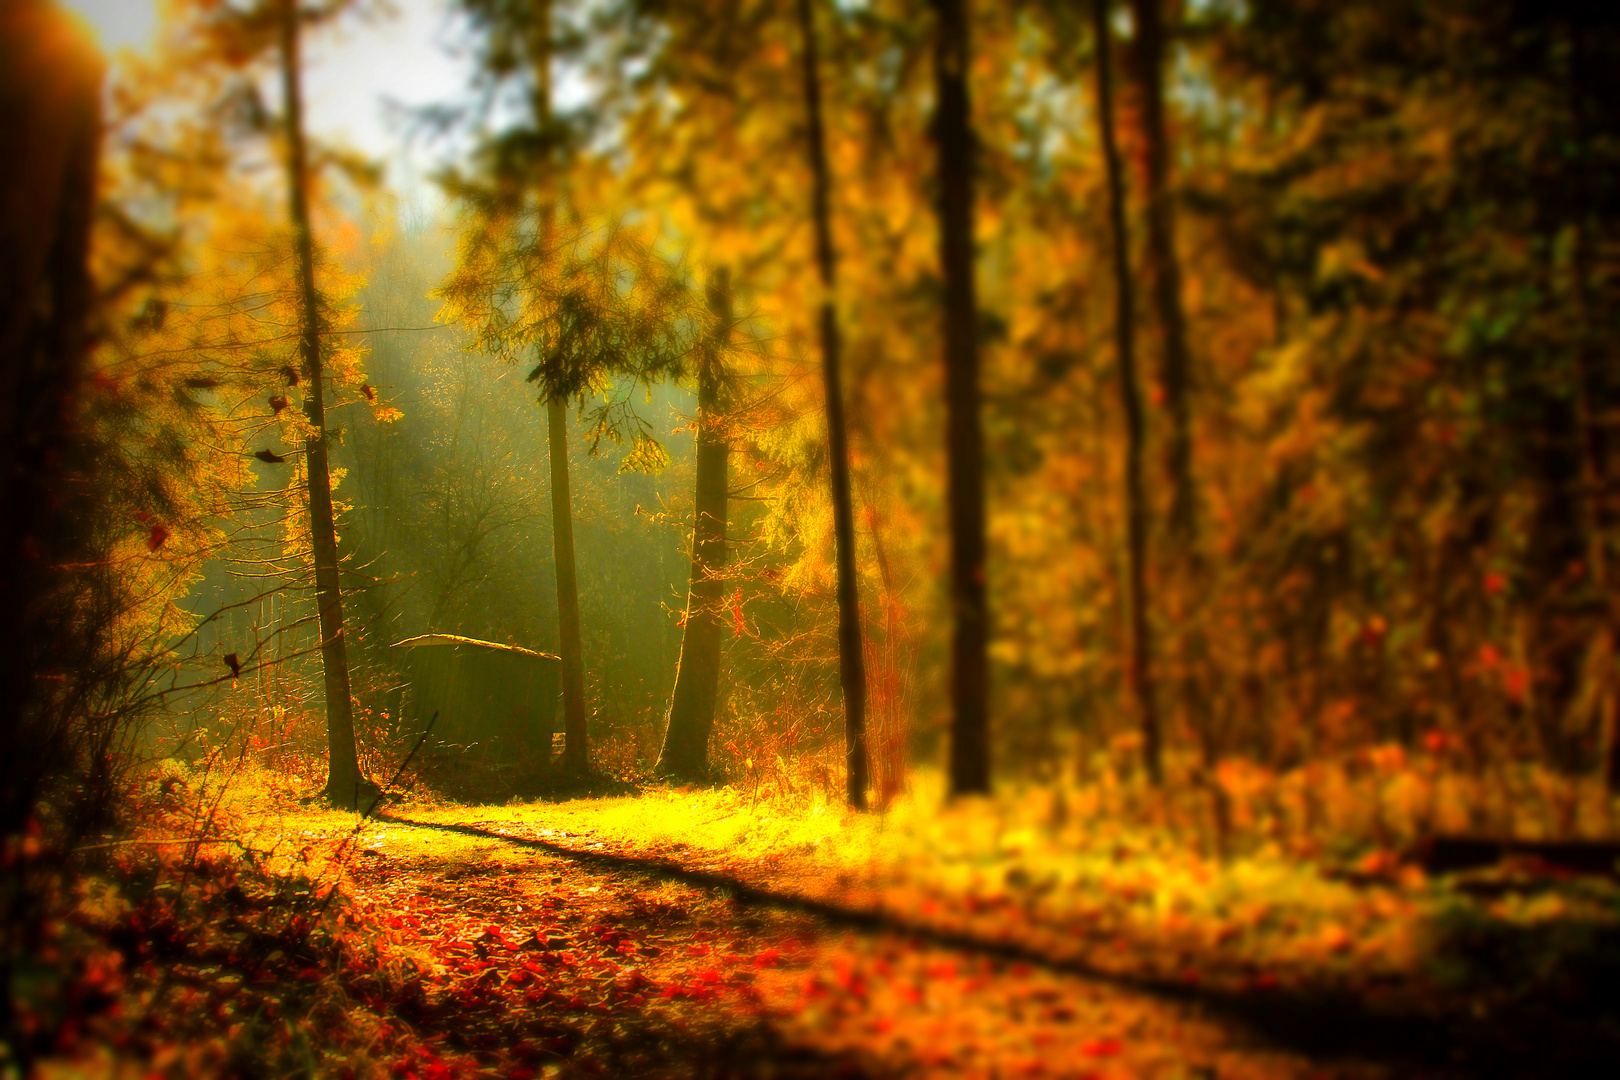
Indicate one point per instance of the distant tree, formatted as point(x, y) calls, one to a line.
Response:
point(964, 450)
point(516, 43)
point(851, 654)
point(345, 784)
point(587, 304)
point(1138, 672)
point(1148, 49)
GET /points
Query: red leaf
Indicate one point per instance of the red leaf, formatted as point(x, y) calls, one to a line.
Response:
point(1103, 1048)
point(156, 537)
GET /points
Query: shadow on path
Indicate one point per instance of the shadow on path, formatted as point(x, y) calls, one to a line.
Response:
point(1536, 1039)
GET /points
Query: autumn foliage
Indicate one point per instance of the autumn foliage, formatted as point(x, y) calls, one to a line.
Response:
point(1193, 614)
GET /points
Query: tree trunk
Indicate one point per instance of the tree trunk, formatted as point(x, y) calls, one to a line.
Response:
point(685, 754)
point(1164, 273)
point(851, 659)
point(344, 784)
point(576, 746)
point(1594, 396)
point(1138, 673)
point(576, 755)
point(50, 121)
point(970, 666)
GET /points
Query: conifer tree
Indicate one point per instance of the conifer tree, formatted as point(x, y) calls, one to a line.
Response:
point(517, 42)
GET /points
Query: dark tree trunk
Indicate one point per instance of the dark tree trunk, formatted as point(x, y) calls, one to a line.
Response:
point(1594, 397)
point(1138, 673)
point(685, 754)
point(970, 664)
point(851, 659)
point(50, 122)
point(344, 784)
point(576, 755)
point(50, 125)
point(1164, 272)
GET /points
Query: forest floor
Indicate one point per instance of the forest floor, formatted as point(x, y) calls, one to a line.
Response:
point(708, 933)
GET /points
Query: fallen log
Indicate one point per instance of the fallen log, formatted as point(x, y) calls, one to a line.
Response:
point(1453, 854)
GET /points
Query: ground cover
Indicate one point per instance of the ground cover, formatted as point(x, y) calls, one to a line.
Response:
point(713, 932)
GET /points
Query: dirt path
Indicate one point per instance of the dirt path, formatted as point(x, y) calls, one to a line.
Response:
point(537, 952)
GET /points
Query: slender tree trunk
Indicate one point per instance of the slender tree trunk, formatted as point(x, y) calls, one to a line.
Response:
point(576, 745)
point(1190, 644)
point(970, 663)
point(576, 756)
point(691, 713)
point(1165, 272)
point(344, 783)
point(851, 659)
point(1138, 673)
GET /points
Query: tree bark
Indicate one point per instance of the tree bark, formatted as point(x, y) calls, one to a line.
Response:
point(50, 125)
point(1138, 673)
point(576, 745)
point(576, 754)
point(1164, 273)
point(851, 657)
point(685, 754)
point(50, 121)
point(970, 666)
point(344, 784)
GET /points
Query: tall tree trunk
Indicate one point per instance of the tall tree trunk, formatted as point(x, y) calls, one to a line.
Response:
point(1138, 673)
point(970, 663)
point(50, 125)
point(851, 659)
point(344, 783)
point(576, 746)
point(685, 754)
point(576, 757)
point(1165, 272)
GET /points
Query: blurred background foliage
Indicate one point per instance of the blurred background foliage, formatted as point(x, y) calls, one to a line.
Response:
point(1394, 247)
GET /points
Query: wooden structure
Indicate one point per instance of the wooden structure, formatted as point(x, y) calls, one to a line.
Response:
point(491, 699)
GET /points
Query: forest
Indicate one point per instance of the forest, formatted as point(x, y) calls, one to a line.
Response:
point(848, 538)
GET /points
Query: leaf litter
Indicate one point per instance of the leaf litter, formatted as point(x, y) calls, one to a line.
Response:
point(666, 935)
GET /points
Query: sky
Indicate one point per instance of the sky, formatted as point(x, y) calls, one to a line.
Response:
point(349, 75)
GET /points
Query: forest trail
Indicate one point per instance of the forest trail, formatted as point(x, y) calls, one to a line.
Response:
point(639, 965)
